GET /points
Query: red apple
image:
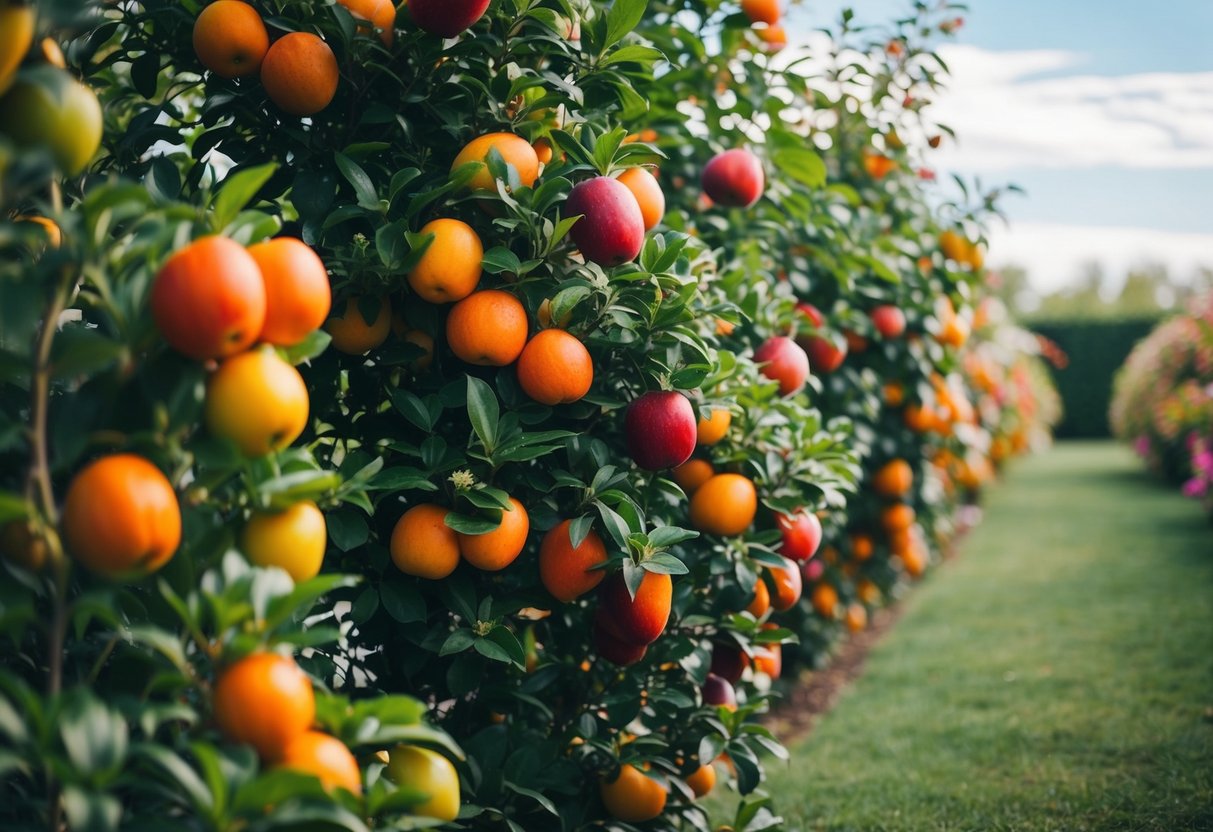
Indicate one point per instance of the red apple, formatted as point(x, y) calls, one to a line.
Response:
point(811, 570)
point(718, 691)
point(734, 178)
point(824, 354)
point(811, 312)
point(611, 229)
point(801, 535)
point(729, 661)
point(661, 430)
point(785, 362)
point(888, 320)
point(446, 18)
point(613, 649)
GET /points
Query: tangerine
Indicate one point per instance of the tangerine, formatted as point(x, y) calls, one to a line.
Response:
point(297, 293)
point(555, 368)
point(450, 267)
point(300, 74)
point(724, 505)
point(499, 548)
point(487, 328)
point(264, 700)
point(423, 544)
point(230, 38)
point(258, 401)
point(568, 572)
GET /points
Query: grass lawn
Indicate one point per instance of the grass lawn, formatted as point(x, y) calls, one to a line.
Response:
point(1058, 676)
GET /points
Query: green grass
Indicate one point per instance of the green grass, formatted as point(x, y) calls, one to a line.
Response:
point(1058, 676)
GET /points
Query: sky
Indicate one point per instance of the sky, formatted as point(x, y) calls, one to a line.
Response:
point(1102, 110)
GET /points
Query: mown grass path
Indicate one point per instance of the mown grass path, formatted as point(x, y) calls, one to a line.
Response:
point(1058, 676)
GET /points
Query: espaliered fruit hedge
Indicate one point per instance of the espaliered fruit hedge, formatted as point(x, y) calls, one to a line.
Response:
point(456, 414)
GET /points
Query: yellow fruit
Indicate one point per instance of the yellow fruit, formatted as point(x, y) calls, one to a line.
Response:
point(257, 401)
point(427, 771)
point(293, 540)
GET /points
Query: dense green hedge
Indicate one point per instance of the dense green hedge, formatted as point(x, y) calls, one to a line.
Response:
point(1095, 349)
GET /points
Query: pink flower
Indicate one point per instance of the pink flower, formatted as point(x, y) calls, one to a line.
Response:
point(1196, 488)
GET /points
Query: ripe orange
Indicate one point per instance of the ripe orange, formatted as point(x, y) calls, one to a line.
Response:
point(426, 771)
point(773, 36)
point(861, 546)
point(381, 14)
point(712, 429)
point(788, 585)
point(692, 474)
point(639, 620)
point(645, 188)
point(300, 74)
point(543, 151)
point(50, 229)
point(868, 592)
point(954, 333)
point(423, 544)
point(487, 328)
point(515, 150)
point(824, 600)
point(632, 797)
point(954, 246)
point(762, 11)
point(450, 268)
point(857, 617)
point(569, 573)
point(230, 38)
point(266, 701)
point(353, 334)
point(762, 600)
point(16, 35)
point(293, 540)
point(702, 781)
point(325, 757)
point(894, 393)
point(724, 505)
point(20, 545)
point(499, 548)
point(121, 516)
point(894, 479)
point(421, 339)
point(878, 165)
point(258, 401)
point(897, 517)
point(769, 660)
point(297, 293)
point(919, 418)
point(914, 560)
point(209, 299)
point(555, 368)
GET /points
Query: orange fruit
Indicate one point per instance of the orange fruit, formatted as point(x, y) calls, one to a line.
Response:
point(450, 268)
point(724, 327)
point(121, 516)
point(724, 505)
point(421, 339)
point(861, 546)
point(868, 592)
point(328, 758)
point(702, 781)
point(900, 540)
point(429, 772)
point(50, 229)
point(209, 299)
point(824, 599)
point(353, 334)
point(897, 517)
point(762, 600)
point(499, 548)
point(711, 430)
point(788, 585)
point(762, 11)
point(16, 35)
point(894, 393)
point(555, 368)
point(857, 617)
point(230, 38)
point(632, 797)
point(645, 188)
point(769, 660)
point(487, 328)
point(954, 246)
point(293, 540)
point(692, 474)
point(266, 701)
point(638, 620)
point(914, 560)
point(300, 74)
point(893, 479)
point(567, 572)
point(773, 36)
point(878, 165)
point(919, 418)
point(423, 544)
point(543, 151)
point(297, 293)
point(21, 545)
point(380, 14)
point(515, 150)
point(257, 401)
point(954, 333)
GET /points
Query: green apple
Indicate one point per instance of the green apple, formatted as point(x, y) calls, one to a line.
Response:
point(47, 107)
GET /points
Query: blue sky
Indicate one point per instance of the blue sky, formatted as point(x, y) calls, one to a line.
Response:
point(1101, 109)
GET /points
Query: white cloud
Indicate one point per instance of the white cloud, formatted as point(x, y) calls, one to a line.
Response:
point(1054, 255)
point(1006, 118)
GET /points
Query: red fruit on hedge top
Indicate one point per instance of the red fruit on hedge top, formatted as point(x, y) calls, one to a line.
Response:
point(209, 299)
point(718, 691)
point(734, 178)
point(638, 620)
point(888, 320)
point(614, 649)
point(446, 17)
point(660, 429)
point(825, 355)
point(813, 314)
point(801, 535)
point(611, 229)
point(784, 361)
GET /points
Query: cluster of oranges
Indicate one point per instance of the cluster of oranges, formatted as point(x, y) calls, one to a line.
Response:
point(766, 15)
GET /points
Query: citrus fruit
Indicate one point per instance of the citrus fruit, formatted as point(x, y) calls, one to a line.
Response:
point(450, 268)
point(515, 150)
point(714, 427)
point(893, 479)
point(724, 505)
point(257, 401)
point(300, 74)
point(430, 772)
point(230, 38)
point(266, 701)
point(692, 474)
point(555, 368)
point(293, 540)
point(423, 544)
point(488, 328)
point(567, 572)
point(380, 14)
point(499, 548)
point(632, 797)
point(297, 293)
point(16, 35)
point(702, 780)
point(46, 107)
point(351, 332)
point(326, 757)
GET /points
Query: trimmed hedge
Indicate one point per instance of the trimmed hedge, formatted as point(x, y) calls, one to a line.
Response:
point(1095, 349)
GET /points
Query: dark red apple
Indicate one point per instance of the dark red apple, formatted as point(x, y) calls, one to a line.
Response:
point(734, 178)
point(801, 535)
point(824, 354)
point(783, 361)
point(614, 649)
point(660, 429)
point(446, 18)
point(718, 691)
point(611, 229)
point(729, 661)
point(888, 320)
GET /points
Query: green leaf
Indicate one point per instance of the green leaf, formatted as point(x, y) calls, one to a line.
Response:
point(457, 642)
point(665, 536)
point(801, 164)
point(402, 601)
point(500, 260)
point(364, 188)
point(622, 18)
point(664, 563)
point(237, 191)
point(484, 411)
